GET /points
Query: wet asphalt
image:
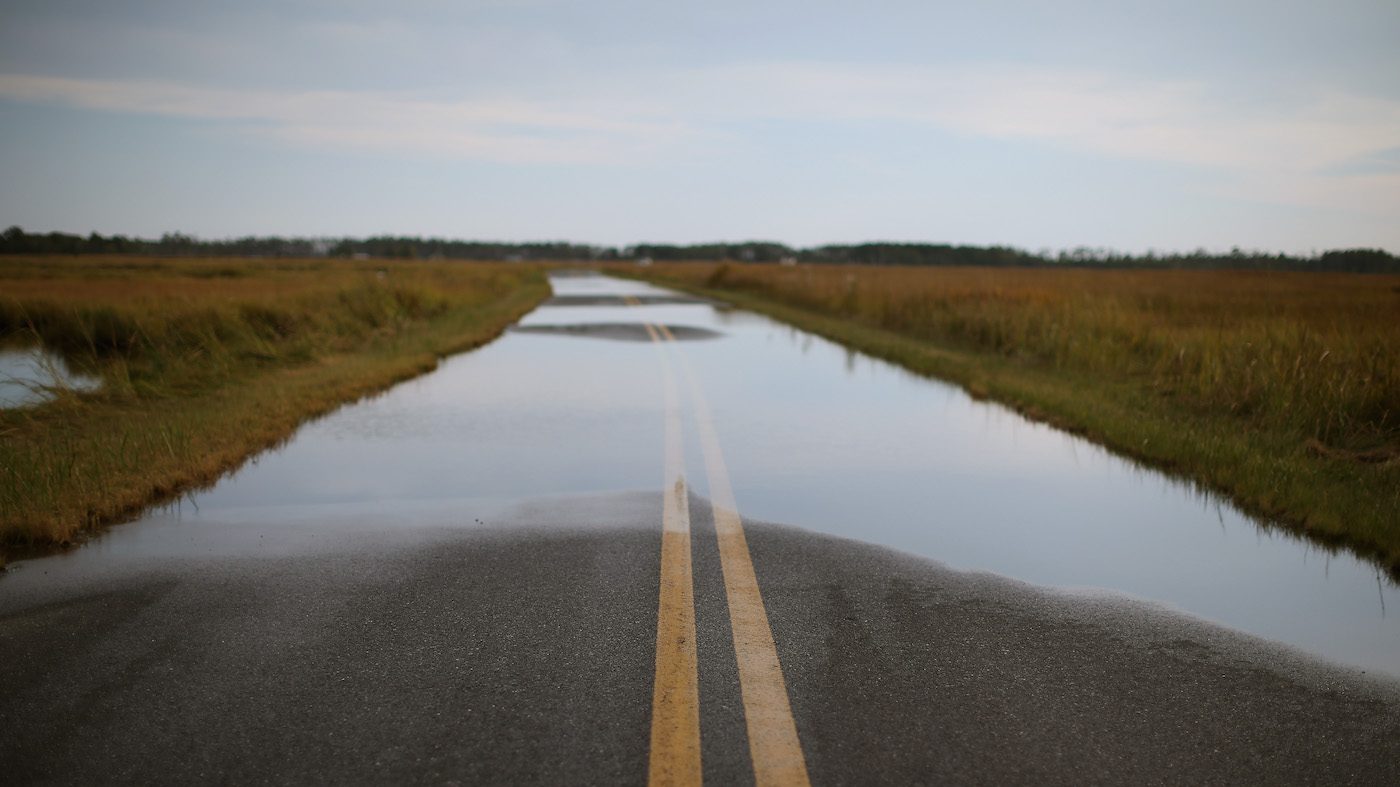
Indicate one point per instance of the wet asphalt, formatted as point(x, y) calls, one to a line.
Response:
point(524, 651)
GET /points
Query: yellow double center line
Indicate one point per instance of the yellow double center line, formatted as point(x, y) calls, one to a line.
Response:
point(675, 704)
point(774, 747)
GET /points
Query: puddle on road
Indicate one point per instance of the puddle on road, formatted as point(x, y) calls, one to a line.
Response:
point(30, 376)
point(814, 435)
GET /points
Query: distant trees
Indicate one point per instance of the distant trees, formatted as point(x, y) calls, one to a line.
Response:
point(16, 241)
point(748, 251)
point(920, 254)
point(437, 248)
point(1359, 260)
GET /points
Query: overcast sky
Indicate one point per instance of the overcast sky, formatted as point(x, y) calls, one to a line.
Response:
point(1169, 125)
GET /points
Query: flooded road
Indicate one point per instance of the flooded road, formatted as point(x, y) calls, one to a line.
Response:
point(641, 534)
point(816, 436)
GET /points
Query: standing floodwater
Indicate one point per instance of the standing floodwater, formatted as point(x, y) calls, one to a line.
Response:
point(29, 376)
point(831, 440)
point(815, 436)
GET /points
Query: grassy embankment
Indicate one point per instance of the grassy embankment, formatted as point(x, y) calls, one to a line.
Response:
point(205, 362)
point(1280, 390)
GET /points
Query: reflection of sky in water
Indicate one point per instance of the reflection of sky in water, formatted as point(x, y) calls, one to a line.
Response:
point(26, 375)
point(814, 436)
point(518, 418)
point(834, 441)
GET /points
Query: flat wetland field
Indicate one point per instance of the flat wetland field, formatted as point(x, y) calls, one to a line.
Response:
point(204, 362)
point(1279, 390)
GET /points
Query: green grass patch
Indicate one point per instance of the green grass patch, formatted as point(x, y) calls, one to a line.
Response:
point(205, 363)
point(1280, 391)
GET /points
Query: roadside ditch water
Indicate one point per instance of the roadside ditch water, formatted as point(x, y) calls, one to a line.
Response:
point(30, 375)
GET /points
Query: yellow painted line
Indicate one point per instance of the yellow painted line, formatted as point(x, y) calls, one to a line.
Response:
point(773, 742)
point(675, 702)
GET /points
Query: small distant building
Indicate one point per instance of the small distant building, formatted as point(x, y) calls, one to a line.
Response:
point(787, 260)
point(644, 261)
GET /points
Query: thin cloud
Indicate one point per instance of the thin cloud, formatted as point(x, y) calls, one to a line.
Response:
point(508, 131)
point(1178, 122)
point(1380, 162)
point(699, 111)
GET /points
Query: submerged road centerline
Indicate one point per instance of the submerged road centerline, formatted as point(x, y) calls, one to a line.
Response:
point(675, 727)
point(773, 742)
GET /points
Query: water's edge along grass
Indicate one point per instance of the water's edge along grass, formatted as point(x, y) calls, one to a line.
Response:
point(77, 465)
point(1270, 474)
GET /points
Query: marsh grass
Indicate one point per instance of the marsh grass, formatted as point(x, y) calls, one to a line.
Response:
point(205, 362)
point(1281, 390)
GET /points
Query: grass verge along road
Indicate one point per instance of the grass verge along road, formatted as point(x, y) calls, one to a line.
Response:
point(205, 362)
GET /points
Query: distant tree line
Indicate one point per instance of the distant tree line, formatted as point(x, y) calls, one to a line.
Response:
point(437, 248)
point(17, 241)
point(751, 251)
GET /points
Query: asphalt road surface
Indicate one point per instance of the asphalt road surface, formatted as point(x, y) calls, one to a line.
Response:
point(622, 637)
